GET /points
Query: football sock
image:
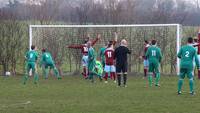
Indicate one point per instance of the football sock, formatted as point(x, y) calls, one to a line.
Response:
point(125, 78)
point(157, 78)
point(119, 79)
point(191, 84)
point(150, 79)
point(180, 83)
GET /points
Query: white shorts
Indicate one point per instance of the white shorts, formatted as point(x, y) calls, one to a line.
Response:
point(146, 63)
point(84, 60)
point(109, 68)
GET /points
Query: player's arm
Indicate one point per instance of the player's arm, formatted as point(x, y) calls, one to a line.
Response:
point(26, 56)
point(42, 60)
point(128, 51)
point(147, 53)
point(197, 61)
point(90, 55)
point(101, 53)
point(95, 41)
point(115, 39)
point(160, 55)
point(75, 46)
point(179, 53)
point(36, 56)
point(115, 53)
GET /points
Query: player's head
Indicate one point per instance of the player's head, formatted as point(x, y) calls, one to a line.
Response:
point(190, 40)
point(86, 40)
point(43, 50)
point(153, 42)
point(123, 42)
point(110, 44)
point(146, 42)
point(89, 44)
point(106, 44)
point(195, 39)
point(32, 47)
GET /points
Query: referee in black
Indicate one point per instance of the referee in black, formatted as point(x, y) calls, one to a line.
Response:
point(121, 61)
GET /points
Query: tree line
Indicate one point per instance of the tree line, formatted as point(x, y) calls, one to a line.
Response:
point(106, 11)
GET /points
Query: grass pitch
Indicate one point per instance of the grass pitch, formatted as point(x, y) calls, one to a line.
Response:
point(73, 94)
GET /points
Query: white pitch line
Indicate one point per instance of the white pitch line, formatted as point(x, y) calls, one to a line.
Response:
point(25, 103)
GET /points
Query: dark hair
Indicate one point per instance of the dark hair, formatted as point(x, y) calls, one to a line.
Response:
point(43, 50)
point(110, 43)
point(190, 40)
point(153, 42)
point(32, 47)
point(86, 40)
point(195, 40)
point(146, 41)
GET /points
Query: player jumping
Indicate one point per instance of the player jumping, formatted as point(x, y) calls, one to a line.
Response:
point(84, 51)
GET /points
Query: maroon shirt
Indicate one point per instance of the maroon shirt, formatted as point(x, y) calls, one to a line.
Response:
point(109, 55)
point(83, 47)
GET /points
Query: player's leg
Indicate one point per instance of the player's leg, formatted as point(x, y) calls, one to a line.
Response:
point(45, 71)
point(157, 72)
point(84, 64)
point(91, 67)
point(180, 81)
point(25, 77)
point(191, 80)
point(107, 71)
point(150, 73)
point(118, 71)
point(113, 72)
point(124, 70)
point(55, 70)
point(146, 66)
point(36, 77)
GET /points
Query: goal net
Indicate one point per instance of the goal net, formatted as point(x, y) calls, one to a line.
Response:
point(56, 38)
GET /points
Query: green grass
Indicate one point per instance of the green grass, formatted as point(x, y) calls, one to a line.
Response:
point(75, 95)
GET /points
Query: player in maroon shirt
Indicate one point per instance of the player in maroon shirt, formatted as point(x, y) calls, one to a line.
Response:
point(146, 62)
point(109, 62)
point(84, 51)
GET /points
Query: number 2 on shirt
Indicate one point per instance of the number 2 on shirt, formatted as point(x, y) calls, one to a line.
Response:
point(187, 54)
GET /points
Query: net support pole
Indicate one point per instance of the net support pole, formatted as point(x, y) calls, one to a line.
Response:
point(30, 36)
point(178, 44)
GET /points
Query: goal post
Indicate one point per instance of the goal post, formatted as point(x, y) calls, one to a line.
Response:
point(178, 32)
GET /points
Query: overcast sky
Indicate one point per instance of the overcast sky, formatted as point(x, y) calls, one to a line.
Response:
point(4, 2)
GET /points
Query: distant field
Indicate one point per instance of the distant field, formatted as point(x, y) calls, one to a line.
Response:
point(75, 95)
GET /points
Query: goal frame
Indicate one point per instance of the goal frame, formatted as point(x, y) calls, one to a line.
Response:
point(178, 32)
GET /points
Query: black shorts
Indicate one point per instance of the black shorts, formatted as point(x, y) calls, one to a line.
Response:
point(121, 67)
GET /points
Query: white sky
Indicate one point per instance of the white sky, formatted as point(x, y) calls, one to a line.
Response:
point(4, 2)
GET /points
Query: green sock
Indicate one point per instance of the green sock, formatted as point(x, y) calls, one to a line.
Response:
point(150, 79)
point(56, 73)
point(36, 78)
point(180, 83)
point(191, 84)
point(45, 72)
point(25, 78)
point(157, 78)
